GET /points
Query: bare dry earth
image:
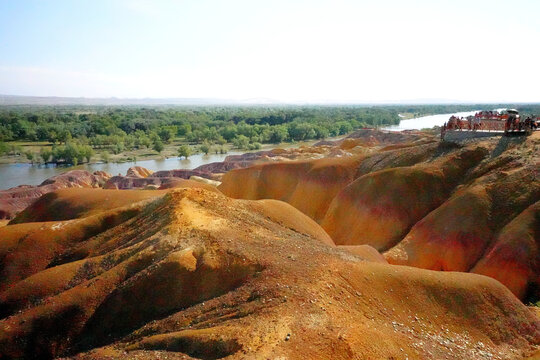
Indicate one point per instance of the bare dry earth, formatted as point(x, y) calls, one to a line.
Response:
point(192, 273)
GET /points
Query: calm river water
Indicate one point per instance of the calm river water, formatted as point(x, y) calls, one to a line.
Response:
point(17, 174)
point(426, 121)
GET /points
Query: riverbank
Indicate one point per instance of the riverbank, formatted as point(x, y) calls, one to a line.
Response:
point(17, 173)
point(18, 170)
point(409, 121)
point(170, 151)
point(425, 122)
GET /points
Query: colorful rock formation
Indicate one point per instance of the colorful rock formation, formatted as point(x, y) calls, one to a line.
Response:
point(434, 205)
point(14, 200)
point(138, 171)
point(192, 273)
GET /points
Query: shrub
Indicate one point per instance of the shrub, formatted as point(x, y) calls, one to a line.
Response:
point(184, 151)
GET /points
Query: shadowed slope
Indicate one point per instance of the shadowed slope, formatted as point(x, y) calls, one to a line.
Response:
point(513, 258)
point(445, 241)
point(468, 230)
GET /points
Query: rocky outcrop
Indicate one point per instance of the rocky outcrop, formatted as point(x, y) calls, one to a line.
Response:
point(194, 273)
point(14, 200)
point(138, 171)
point(140, 178)
point(157, 179)
point(205, 181)
point(124, 182)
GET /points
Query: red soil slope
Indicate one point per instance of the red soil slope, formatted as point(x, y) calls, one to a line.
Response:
point(514, 256)
point(194, 273)
point(379, 208)
point(438, 206)
point(76, 203)
point(445, 241)
point(14, 200)
point(310, 186)
point(321, 183)
point(457, 235)
point(70, 204)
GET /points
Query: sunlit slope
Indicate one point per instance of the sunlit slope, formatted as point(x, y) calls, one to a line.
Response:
point(380, 207)
point(310, 186)
point(67, 204)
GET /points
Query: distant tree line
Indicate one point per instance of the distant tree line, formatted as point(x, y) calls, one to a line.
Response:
point(74, 130)
point(121, 128)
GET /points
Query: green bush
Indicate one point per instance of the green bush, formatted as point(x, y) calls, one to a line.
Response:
point(72, 153)
point(254, 146)
point(105, 156)
point(3, 148)
point(241, 142)
point(184, 151)
point(205, 148)
point(158, 146)
point(45, 154)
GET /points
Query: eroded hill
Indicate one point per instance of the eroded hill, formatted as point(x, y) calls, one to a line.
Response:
point(424, 203)
point(191, 273)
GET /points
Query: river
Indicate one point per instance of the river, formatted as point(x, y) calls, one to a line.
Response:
point(426, 121)
point(16, 174)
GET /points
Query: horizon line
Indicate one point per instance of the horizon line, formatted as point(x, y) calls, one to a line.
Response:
point(76, 100)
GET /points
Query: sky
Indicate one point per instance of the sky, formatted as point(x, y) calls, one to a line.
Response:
point(343, 51)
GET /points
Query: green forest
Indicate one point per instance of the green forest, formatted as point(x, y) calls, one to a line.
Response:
point(73, 134)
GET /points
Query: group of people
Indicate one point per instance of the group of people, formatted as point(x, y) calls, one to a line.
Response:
point(491, 115)
point(491, 121)
point(516, 124)
point(469, 123)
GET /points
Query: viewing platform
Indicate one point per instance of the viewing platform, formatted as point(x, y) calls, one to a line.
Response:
point(460, 135)
point(485, 124)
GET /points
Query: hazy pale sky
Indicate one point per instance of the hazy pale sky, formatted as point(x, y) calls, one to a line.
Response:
point(285, 50)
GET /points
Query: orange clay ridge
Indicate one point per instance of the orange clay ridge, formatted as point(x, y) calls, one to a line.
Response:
point(470, 207)
point(284, 260)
